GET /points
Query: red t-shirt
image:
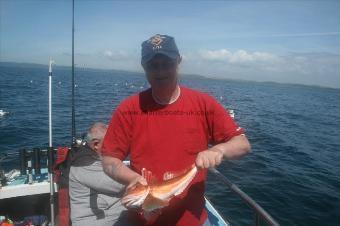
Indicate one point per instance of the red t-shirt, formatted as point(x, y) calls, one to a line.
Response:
point(164, 138)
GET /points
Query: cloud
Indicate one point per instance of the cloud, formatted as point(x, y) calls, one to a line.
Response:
point(117, 55)
point(239, 56)
point(119, 59)
point(307, 68)
point(108, 53)
point(283, 35)
point(305, 34)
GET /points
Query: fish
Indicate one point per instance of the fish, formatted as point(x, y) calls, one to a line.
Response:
point(157, 194)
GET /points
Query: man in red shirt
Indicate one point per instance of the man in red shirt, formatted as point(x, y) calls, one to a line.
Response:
point(168, 128)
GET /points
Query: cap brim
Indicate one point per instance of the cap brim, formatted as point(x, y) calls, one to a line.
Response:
point(172, 55)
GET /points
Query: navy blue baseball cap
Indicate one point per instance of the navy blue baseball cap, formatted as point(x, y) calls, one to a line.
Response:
point(159, 44)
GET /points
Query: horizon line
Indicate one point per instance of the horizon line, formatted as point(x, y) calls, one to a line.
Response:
point(188, 74)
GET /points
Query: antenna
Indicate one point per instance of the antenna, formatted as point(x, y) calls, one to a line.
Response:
point(50, 103)
point(50, 149)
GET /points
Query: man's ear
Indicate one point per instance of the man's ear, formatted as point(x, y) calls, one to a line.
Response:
point(95, 144)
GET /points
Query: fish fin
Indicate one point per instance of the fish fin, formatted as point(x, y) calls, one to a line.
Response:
point(151, 203)
point(149, 177)
point(171, 174)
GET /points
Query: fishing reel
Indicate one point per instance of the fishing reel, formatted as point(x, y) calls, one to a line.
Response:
point(81, 141)
point(77, 146)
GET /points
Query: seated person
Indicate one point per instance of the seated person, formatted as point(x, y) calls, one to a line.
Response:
point(94, 196)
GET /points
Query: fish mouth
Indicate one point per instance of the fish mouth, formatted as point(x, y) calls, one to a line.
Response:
point(135, 200)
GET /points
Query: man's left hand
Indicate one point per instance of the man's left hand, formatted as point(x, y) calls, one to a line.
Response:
point(209, 158)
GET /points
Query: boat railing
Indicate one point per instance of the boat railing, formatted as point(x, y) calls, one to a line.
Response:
point(259, 212)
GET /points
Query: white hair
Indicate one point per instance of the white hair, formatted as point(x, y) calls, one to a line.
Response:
point(96, 132)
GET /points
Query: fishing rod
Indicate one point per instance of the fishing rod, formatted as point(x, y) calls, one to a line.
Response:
point(73, 131)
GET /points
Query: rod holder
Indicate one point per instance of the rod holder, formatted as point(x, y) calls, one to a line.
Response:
point(36, 161)
point(30, 175)
point(23, 161)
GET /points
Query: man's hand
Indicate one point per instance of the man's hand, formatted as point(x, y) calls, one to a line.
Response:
point(232, 149)
point(118, 171)
point(138, 179)
point(209, 158)
point(143, 179)
point(149, 217)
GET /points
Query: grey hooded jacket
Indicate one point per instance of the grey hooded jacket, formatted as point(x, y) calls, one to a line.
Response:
point(94, 196)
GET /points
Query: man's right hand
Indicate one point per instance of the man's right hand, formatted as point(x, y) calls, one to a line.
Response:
point(118, 171)
point(138, 179)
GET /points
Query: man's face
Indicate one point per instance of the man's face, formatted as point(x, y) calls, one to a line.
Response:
point(96, 145)
point(161, 70)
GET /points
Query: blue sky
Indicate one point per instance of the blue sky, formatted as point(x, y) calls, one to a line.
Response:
point(282, 41)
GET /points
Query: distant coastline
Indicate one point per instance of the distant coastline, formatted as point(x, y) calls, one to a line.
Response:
point(35, 65)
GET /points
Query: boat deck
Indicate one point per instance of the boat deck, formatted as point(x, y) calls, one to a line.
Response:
point(19, 186)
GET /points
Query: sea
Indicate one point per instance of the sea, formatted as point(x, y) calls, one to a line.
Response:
point(293, 171)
